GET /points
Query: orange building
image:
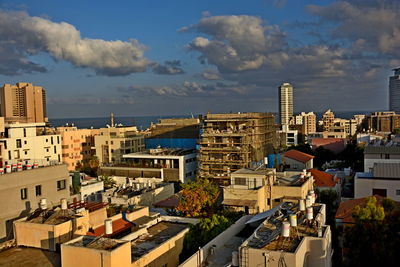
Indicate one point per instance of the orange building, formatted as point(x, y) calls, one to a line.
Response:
point(23, 102)
point(77, 145)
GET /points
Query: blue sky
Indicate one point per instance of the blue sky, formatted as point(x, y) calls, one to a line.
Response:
point(199, 56)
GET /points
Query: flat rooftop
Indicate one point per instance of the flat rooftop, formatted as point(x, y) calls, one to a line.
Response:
point(268, 235)
point(52, 217)
point(20, 256)
point(161, 152)
point(99, 243)
point(156, 235)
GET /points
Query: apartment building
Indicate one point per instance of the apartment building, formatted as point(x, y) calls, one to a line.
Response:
point(382, 180)
point(29, 144)
point(394, 91)
point(309, 120)
point(290, 235)
point(258, 190)
point(77, 145)
point(328, 120)
point(381, 152)
point(233, 141)
point(169, 165)
point(21, 192)
point(113, 142)
point(383, 121)
point(23, 103)
point(173, 133)
point(285, 103)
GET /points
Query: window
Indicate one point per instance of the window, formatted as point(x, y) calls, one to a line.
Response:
point(38, 190)
point(60, 185)
point(51, 138)
point(387, 156)
point(55, 150)
point(19, 144)
point(26, 152)
point(398, 192)
point(379, 192)
point(9, 154)
point(240, 181)
point(24, 132)
point(25, 142)
point(24, 193)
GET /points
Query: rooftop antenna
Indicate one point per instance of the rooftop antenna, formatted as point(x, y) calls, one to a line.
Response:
point(112, 119)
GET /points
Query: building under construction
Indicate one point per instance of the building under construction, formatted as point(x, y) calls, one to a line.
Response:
point(233, 141)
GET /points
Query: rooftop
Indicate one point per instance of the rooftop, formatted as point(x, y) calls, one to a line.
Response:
point(322, 179)
point(161, 152)
point(100, 243)
point(21, 256)
point(386, 170)
point(268, 235)
point(382, 147)
point(155, 236)
point(298, 155)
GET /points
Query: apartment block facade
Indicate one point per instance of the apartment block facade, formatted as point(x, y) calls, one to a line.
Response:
point(23, 103)
point(77, 145)
point(113, 142)
point(285, 103)
point(233, 141)
point(29, 144)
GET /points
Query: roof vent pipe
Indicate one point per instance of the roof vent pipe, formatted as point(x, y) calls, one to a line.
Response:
point(43, 204)
point(108, 226)
point(309, 214)
point(235, 259)
point(320, 232)
point(285, 229)
point(293, 220)
point(64, 204)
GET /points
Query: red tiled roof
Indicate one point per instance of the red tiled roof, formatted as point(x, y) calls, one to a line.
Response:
point(322, 179)
point(297, 155)
point(171, 202)
point(118, 226)
point(334, 144)
point(345, 210)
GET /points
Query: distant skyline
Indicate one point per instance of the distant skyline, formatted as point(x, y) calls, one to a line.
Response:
point(143, 58)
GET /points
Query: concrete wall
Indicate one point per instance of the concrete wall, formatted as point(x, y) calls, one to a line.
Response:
point(147, 198)
point(46, 236)
point(74, 256)
point(218, 242)
point(13, 207)
point(363, 187)
point(297, 165)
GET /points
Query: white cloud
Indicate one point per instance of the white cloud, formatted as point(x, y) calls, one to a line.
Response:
point(24, 35)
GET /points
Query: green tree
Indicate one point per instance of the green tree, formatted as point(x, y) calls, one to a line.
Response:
point(203, 232)
point(330, 199)
point(198, 198)
point(107, 181)
point(373, 239)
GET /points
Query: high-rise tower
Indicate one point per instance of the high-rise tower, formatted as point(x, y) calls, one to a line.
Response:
point(285, 103)
point(394, 91)
point(23, 102)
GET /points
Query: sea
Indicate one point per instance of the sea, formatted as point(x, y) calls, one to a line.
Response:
point(143, 122)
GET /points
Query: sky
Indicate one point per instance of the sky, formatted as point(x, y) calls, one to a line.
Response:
point(148, 57)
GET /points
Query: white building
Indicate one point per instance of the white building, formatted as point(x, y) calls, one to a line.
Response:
point(176, 164)
point(29, 144)
point(285, 103)
point(394, 91)
point(384, 180)
point(380, 152)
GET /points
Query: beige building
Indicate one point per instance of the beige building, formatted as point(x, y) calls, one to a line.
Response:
point(113, 142)
point(27, 144)
point(309, 120)
point(328, 120)
point(285, 103)
point(23, 102)
point(20, 193)
point(148, 240)
point(77, 145)
point(291, 237)
point(255, 191)
point(233, 141)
